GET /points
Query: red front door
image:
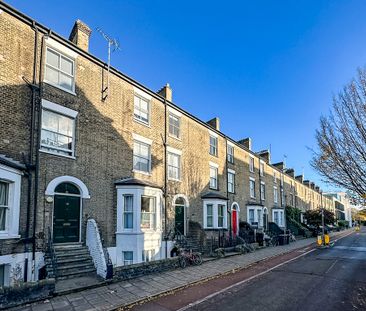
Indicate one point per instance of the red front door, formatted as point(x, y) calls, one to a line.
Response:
point(234, 223)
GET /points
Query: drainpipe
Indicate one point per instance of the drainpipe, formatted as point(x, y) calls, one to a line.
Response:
point(28, 174)
point(165, 180)
point(227, 190)
point(37, 131)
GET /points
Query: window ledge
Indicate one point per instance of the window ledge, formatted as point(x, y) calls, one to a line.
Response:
point(57, 154)
point(142, 122)
point(6, 235)
point(59, 87)
point(174, 137)
point(142, 172)
point(173, 179)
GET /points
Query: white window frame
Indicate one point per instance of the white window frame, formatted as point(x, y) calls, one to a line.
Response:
point(275, 194)
point(252, 193)
point(66, 56)
point(221, 217)
point(280, 217)
point(214, 147)
point(261, 168)
point(177, 153)
point(5, 207)
point(262, 191)
point(173, 115)
point(127, 262)
point(137, 110)
point(215, 213)
point(251, 164)
point(230, 155)
point(257, 211)
point(152, 214)
point(275, 177)
point(13, 178)
point(144, 141)
point(215, 178)
point(124, 212)
point(231, 184)
point(66, 112)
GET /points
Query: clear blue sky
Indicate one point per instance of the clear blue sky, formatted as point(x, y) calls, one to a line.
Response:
point(268, 69)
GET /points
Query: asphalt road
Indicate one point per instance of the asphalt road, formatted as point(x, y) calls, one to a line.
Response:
point(325, 279)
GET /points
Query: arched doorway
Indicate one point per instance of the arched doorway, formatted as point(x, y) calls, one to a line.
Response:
point(235, 219)
point(180, 206)
point(66, 213)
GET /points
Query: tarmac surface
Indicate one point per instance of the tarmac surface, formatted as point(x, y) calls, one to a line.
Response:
point(323, 279)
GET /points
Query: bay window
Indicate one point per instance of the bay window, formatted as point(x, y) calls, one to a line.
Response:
point(128, 211)
point(147, 212)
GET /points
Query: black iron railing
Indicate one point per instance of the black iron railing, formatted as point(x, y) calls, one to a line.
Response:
point(51, 253)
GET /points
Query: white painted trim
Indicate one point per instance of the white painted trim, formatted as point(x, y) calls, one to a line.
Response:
point(142, 139)
point(10, 169)
point(14, 180)
point(213, 164)
point(251, 178)
point(141, 93)
point(60, 48)
point(263, 183)
point(230, 171)
point(237, 204)
point(173, 150)
point(230, 143)
point(213, 134)
point(50, 190)
point(175, 112)
point(215, 203)
point(186, 207)
point(59, 109)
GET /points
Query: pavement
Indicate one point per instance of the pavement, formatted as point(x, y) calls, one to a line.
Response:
point(131, 292)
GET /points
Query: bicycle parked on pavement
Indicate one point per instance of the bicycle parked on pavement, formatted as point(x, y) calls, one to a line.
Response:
point(189, 257)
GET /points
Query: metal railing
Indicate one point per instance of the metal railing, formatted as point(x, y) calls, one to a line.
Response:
point(52, 253)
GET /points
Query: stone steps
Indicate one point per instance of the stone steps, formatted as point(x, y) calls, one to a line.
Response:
point(72, 260)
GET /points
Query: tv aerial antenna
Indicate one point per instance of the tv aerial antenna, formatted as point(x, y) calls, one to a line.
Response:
point(113, 44)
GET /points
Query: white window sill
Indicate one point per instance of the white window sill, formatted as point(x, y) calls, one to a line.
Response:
point(142, 172)
point(173, 179)
point(58, 154)
point(5, 235)
point(60, 87)
point(175, 137)
point(142, 122)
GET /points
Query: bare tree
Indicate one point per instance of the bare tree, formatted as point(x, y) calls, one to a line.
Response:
point(341, 139)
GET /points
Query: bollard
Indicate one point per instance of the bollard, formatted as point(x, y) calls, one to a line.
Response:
point(320, 240)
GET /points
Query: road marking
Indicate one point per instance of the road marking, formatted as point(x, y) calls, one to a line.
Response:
point(242, 282)
point(251, 278)
point(331, 266)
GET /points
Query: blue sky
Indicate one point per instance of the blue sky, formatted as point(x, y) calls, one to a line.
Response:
point(268, 69)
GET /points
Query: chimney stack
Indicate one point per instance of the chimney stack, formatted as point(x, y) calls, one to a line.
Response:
point(300, 178)
point(246, 142)
point(290, 172)
point(215, 123)
point(166, 92)
point(265, 155)
point(80, 35)
point(279, 165)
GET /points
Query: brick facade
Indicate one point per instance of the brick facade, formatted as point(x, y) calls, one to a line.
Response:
point(104, 141)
